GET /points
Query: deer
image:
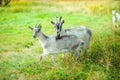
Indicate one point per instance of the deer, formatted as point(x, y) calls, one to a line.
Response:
point(81, 32)
point(49, 44)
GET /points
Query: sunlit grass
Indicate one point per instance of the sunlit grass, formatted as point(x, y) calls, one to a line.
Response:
point(19, 52)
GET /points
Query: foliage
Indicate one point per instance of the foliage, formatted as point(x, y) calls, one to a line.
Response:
point(4, 2)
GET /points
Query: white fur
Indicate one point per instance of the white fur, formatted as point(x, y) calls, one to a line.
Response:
point(81, 33)
point(52, 46)
point(115, 19)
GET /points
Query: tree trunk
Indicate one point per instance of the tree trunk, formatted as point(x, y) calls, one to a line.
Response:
point(7, 2)
point(0, 2)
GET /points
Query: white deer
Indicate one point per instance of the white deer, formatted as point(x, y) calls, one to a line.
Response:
point(50, 45)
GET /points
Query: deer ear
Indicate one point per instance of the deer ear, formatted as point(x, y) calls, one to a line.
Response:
point(52, 22)
point(30, 27)
point(63, 21)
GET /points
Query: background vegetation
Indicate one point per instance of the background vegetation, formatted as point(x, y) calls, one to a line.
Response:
point(19, 52)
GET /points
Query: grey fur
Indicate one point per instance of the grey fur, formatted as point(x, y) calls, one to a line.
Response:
point(52, 46)
point(81, 32)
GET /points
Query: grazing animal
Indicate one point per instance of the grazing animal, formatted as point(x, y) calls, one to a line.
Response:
point(81, 32)
point(50, 45)
point(115, 19)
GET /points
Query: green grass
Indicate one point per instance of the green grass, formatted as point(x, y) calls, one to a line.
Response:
point(19, 52)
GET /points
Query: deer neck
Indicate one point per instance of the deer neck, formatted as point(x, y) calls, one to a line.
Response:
point(42, 37)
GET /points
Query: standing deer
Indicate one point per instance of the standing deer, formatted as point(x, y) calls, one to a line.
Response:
point(68, 43)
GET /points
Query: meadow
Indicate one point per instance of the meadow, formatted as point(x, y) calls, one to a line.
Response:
point(20, 52)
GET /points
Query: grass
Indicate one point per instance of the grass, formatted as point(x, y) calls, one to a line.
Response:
point(19, 52)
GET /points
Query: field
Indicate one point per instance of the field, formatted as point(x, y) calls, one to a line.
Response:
point(20, 52)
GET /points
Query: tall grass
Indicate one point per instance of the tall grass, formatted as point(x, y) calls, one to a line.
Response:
point(19, 52)
point(104, 7)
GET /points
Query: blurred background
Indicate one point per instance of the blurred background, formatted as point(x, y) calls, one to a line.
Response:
point(19, 52)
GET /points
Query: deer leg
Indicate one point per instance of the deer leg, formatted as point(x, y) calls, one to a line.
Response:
point(54, 58)
point(41, 59)
point(82, 52)
point(42, 55)
point(116, 24)
point(75, 54)
point(63, 55)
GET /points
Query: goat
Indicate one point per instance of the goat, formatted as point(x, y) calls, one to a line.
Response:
point(59, 27)
point(81, 32)
point(50, 45)
point(115, 18)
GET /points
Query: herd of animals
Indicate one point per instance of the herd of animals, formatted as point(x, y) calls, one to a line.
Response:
point(74, 40)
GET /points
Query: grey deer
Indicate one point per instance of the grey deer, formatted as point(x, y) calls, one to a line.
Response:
point(50, 45)
point(81, 32)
